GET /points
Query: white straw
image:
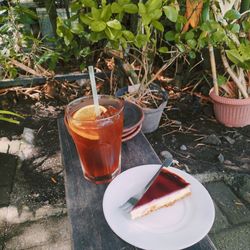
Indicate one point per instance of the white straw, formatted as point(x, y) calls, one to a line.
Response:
point(94, 92)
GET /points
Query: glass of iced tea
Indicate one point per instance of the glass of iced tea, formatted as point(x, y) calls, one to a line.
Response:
point(97, 138)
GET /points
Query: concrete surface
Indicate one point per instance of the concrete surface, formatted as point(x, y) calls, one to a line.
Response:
point(231, 229)
point(46, 233)
point(235, 238)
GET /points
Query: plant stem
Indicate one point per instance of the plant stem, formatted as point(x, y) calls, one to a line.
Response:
point(220, 19)
point(213, 68)
point(232, 74)
point(165, 66)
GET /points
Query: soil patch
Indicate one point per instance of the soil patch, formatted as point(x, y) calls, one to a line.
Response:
point(193, 136)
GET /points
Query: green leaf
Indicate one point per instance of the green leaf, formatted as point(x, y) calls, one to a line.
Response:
point(206, 27)
point(234, 56)
point(146, 19)
point(177, 37)
point(202, 40)
point(123, 42)
point(97, 36)
point(205, 12)
point(75, 6)
point(112, 34)
point(114, 44)
point(232, 15)
point(218, 36)
point(215, 25)
point(96, 13)
point(155, 14)
point(89, 3)
point(180, 47)
point(240, 56)
point(116, 8)
point(98, 26)
point(86, 19)
point(246, 26)
point(191, 43)
point(68, 37)
point(59, 29)
point(123, 2)
point(76, 28)
point(114, 24)
point(163, 50)
point(142, 9)
point(152, 5)
point(158, 25)
point(130, 8)
point(192, 54)
point(235, 28)
point(221, 79)
point(178, 27)
point(128, 35)
point(171, 13)
point(120, 16)
point(189, 35)
point(140, 40)
point(106, 13)
point(170, 36)
point(28, 12)
point(181, 19)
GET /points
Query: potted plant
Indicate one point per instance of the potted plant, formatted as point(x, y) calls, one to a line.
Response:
point(139, 43)
point(228, 32)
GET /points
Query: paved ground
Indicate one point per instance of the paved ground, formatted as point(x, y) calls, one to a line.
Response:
point(47, 227)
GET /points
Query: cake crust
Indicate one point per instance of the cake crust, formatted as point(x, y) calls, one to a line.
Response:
point(155, 208)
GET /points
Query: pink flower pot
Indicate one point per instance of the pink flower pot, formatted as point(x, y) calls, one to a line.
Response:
point(231, 112)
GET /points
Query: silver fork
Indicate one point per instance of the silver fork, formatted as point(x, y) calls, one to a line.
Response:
point(130, 203)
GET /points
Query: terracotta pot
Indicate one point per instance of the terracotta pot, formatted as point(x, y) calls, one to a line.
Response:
point(231, 112)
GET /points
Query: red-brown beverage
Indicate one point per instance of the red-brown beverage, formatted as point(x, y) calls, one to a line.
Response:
point(97, 139)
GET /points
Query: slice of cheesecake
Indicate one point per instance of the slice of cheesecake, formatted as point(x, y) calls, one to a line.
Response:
point(166, 189)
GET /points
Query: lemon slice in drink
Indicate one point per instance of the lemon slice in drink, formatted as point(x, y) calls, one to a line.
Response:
point(86, 113)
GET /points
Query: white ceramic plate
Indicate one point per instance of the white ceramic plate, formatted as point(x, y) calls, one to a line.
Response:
point(175, 227)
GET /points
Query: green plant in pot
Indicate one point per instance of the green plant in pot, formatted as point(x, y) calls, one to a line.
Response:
point(139, 43)
point(227, 30)
point(146, 46)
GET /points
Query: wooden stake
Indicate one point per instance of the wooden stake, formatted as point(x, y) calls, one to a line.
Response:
point(213, 68)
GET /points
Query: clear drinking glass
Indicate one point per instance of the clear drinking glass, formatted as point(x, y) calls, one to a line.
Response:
point(98, 140)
